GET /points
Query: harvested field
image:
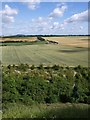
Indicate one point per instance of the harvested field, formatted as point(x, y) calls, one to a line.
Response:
point(28, 39)
point(71, 41)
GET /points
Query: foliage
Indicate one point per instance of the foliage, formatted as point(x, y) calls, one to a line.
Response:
point(30, 84)
point(40, 38)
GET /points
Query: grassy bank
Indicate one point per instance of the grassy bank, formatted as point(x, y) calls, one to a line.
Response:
point(56, 110)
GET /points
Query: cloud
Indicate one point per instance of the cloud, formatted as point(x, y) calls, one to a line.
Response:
point(7, 19)
point(33, 4)
point(58, 11)
point(41, 25)
point(81, 27)
point(79, 17)
point(9, 11)
point(55, 25)
point(8, 14)
point(40, 21)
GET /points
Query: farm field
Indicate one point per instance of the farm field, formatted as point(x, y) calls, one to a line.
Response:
point(28, 39)
point(70, 52)
point(78, 41)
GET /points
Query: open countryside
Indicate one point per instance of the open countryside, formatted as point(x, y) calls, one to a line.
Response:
point(40, 60)
point(44, 60)
point(69, 51)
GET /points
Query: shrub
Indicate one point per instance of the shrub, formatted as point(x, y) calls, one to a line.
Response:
point(32, 67)
point(55, 67)
point(48, 85)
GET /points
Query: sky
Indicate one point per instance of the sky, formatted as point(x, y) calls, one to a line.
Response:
point(33, 18)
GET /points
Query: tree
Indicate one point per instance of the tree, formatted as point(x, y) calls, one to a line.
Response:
point(40, 38)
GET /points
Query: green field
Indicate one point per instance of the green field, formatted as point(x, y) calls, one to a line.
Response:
point(47, 54)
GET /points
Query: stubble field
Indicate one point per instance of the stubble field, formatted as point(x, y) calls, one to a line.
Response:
point(77, 41)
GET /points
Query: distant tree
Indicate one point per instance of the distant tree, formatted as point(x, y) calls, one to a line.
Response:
point(40, 38)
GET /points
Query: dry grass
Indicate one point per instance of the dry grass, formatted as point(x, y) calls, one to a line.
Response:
point(19, 39)
point(71, 41)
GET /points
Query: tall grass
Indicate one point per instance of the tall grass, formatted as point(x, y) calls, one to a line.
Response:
point(57, 110)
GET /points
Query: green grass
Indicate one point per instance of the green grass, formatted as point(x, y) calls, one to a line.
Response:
point(0, 114)
point(57, 110)
point(44, 54)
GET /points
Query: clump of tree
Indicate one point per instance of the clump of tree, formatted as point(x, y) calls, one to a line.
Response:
point(40, 38)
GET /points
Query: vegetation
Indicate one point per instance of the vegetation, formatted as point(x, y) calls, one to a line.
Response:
point(45, 85)
point(30, 85)
point(20, 43)
point(45, 81)
point(40, 38)
point(21, 36)
point(47, 111)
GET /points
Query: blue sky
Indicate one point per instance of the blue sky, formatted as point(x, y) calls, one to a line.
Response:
point(44, 18)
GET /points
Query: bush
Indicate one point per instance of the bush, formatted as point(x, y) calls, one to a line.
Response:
point(55, 84)
point(55, 67)
point(32, 67)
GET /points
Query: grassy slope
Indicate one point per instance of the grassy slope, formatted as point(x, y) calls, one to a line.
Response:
point(57, 110)
point(46, 54)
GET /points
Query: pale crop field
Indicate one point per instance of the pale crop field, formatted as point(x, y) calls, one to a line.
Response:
point(19, 39)
point(47, 54)
point(78, 41)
